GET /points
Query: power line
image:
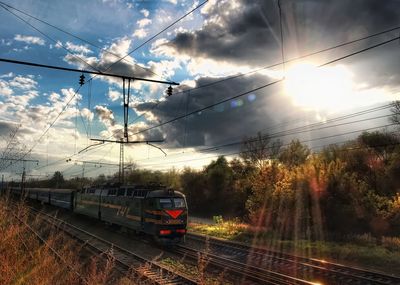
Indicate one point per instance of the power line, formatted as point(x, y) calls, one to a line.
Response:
point(262, 87)
point(285, 145)
point(298, 130)
point(51, 125)
point(282, 42)
point(286, 132)
point(50, 38)
point(282, 134)
point(371, 35)
point(157, 34)
point(273, 65)
point(79, 38)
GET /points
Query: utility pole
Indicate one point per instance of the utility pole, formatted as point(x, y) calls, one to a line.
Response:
point(23, 174)
point(121, 173)
point(125, 139)
point(2, 184)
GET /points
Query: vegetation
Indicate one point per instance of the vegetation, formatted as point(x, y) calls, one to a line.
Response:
point(362, 250)
point(288, 194)
point(353, 188)
point(24, 259)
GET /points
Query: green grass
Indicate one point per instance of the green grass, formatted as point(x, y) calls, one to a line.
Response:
point(357, 250)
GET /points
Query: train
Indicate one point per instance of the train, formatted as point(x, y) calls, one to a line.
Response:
point(155, 210)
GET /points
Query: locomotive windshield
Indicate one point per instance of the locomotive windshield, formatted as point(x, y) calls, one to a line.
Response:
point(171, 203)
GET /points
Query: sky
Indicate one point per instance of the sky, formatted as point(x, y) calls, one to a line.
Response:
point(222, 50)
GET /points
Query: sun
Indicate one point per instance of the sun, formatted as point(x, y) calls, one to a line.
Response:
point(322, 89)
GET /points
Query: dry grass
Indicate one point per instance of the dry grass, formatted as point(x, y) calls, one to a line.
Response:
point(25, 259)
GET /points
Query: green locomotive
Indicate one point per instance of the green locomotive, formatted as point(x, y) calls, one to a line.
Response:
point(153, 209)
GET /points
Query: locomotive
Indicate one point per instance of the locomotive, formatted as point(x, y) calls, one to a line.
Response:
point(152, 209)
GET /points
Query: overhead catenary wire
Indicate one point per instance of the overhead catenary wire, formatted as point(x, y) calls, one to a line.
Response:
point(282, 41)
point(262, 87)
point(159, 33)
point(279, 135)
point(301, 129)
point(102, 73)
point(78, 37)
point(272, 66)
point(297, 130)
point(50, 38)
point(284, 145)
point(50, 125)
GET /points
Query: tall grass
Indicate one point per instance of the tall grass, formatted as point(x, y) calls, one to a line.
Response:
point(25, 259)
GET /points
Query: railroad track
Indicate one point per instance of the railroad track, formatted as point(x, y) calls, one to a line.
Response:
point(302, 267)
point(246, 274)
point(149, 271)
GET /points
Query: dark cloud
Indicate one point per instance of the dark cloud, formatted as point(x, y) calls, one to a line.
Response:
point(106, 116)
point(232, 120)
point(249, 32)
point(109, 61)
point(241, 34)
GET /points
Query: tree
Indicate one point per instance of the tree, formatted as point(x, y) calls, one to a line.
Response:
point(219, 181)
point(57, 180)
point(382, 144)
point(294, 154)
point(395, 118)
point(194, 186)
point(259, 150)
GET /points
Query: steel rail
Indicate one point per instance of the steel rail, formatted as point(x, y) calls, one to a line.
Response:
point(154, 272)
point(245, 272)
point(327, 271)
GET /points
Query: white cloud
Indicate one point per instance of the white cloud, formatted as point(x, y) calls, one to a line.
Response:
point(172, 1)
point(29, 39)
point(77, 48)
point(106, 116)
point(87, 114)
point(54, 97)
point(114, 95)
point(7, 75)
point(140, 33)
point(145, 12)
point(25, 83)
point(143, 22)
point(5, 89)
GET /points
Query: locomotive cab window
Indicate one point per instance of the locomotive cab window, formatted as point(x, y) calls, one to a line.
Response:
point(165, 203)
point(179, 203)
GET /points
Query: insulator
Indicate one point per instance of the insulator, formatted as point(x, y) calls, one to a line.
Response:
point(169, 90)
point(81, 80)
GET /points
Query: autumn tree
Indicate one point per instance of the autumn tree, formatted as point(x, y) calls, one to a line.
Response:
point(259, 150)
point(294, 154)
